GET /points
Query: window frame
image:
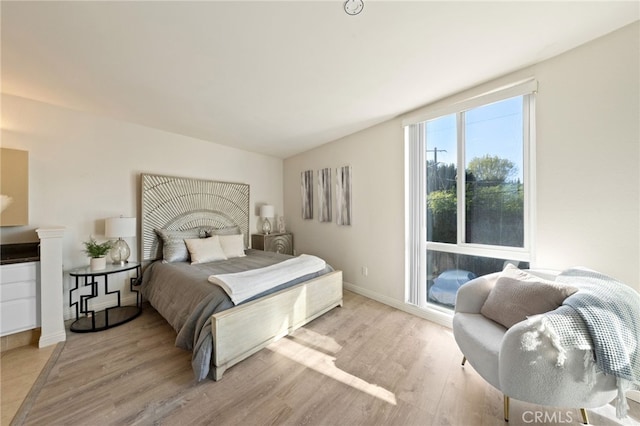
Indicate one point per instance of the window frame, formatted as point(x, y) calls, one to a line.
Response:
point(416, 169)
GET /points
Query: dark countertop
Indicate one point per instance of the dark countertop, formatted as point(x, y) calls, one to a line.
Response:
point(19, 253)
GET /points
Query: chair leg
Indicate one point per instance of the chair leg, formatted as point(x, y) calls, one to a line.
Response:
point(585, 418)
point(506, 408)
point(464, 359)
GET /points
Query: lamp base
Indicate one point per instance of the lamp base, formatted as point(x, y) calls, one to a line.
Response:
point(266, 227)
point(120, 252)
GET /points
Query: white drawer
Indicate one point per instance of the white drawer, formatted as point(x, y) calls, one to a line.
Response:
point(18, 272)
point(18, 290)
point(18, 315)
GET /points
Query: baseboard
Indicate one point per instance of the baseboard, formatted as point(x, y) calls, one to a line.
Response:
point(440, 318)
point(17, 340)
point(52, 339)
point(70, 313)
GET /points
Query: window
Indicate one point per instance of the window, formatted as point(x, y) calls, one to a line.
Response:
point(468, 193)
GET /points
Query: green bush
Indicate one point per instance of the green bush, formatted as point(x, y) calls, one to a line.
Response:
point(496, 214)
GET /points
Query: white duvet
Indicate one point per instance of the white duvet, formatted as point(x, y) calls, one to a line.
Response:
point(241, 286)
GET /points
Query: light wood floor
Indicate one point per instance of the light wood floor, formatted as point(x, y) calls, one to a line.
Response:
point(362, 364)
point(19, 369)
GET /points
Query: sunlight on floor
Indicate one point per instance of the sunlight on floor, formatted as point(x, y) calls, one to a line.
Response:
point(319, 361)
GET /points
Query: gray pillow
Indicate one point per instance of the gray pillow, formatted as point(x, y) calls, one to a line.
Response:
point(173, 247)
point(518, 295)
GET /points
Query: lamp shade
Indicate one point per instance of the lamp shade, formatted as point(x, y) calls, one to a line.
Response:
point(118, 227)
point(266, 211)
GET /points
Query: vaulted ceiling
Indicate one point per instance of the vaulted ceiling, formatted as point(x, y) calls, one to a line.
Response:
point(278, 77)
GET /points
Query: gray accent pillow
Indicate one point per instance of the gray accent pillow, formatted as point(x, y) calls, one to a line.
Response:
point(173, 247)
point(518, 295)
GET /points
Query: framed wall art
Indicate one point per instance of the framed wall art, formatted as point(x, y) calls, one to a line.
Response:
point(306, 190)
point(324, 195)
point(14, 187)
point(343, 195)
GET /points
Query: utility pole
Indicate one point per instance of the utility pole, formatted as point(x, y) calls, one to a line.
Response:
point(435, 154)
point(435, 163)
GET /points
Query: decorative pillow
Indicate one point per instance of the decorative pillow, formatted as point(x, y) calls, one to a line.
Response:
point(204, 250)
point(518, 295)
point(173, 247)
point(232, 230)
point(232, 245)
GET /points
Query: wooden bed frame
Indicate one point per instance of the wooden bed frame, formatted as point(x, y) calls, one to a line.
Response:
point(241, 331)
point(183, 203)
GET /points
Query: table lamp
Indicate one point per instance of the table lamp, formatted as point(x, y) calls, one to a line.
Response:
point(119, 227)
point(266, 211)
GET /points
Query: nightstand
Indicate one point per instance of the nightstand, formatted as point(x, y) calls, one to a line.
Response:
point(279, 243)
point(88, 320)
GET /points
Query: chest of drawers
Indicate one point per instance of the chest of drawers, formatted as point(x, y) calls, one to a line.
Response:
point(19, 305)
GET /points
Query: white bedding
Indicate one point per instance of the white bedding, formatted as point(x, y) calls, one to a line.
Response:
point(241, 286)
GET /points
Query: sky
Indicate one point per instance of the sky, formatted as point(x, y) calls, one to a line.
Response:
point(494, 129)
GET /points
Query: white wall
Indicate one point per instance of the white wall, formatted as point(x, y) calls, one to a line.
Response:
point(84, 168)
point(589, 157)
point(375, 238)
point(588, 181)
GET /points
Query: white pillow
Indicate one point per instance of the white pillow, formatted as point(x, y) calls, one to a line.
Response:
point(232, 245)
point(205, 249)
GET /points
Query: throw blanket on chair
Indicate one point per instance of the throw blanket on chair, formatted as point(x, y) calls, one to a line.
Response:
point(604, 315)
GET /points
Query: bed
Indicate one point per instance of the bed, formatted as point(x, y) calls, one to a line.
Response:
point(218, 332)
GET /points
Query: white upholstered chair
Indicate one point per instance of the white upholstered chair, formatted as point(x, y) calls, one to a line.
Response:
point(498, 355)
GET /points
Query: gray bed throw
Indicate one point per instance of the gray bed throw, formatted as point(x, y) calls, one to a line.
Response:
point(610, 311)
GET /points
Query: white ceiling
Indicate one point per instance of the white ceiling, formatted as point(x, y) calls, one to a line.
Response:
point(278, 78)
